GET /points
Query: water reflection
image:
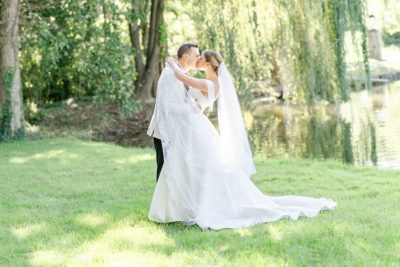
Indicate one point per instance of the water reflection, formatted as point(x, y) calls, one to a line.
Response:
point(364, 131)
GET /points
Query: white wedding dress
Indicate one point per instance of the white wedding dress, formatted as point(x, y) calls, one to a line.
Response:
point(200, 185)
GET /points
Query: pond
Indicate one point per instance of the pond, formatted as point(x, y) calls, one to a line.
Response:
point(364, 131)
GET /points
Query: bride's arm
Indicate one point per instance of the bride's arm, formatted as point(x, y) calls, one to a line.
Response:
point(196, 83)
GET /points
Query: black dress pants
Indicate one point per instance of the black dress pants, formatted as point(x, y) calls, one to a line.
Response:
point(159, 156)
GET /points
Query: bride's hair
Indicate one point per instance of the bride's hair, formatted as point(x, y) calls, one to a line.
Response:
point(214, 58)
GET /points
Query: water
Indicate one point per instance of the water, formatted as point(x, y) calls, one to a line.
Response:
point(364, 131)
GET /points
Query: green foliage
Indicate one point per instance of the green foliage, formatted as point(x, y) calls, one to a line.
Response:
point(32, 114)
point(388, 12)
point(82, 48)
point(347, 149)
point(299, 44)
point(76, 49)
point(232, 28)
point(391, 39)
point(374, 156)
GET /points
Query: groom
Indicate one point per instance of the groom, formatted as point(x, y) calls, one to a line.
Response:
point(188, 54)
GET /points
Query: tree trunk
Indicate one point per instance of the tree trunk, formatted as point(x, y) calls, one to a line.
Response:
point(148, 72)
point(12, 116)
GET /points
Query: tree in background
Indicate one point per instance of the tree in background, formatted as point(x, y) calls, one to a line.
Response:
point(103, 49)
point(76, 49)
point(114, 50)
point(388, 13)
point(11, 103)
point(299, 44)
point(148, 36)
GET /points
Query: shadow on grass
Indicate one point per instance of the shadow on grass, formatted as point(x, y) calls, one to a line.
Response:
point(93, 208)
point(75, 191)
point(12, 249)
point(284, 242)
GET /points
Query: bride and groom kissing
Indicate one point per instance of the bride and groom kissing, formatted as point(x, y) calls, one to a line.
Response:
point(203, 174)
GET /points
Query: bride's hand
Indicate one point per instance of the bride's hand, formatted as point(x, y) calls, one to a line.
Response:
point(170, 60)
point(172, 63)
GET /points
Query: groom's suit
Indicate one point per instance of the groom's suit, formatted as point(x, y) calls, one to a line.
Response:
point(154, 129)
point(154, 132)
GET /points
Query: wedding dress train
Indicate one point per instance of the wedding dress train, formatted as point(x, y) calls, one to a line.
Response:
point(201, 183)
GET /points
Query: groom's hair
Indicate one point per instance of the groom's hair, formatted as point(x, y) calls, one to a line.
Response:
point(185, 48)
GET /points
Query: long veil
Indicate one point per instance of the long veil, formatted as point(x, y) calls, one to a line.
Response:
point(235, 144)
point(196, 185)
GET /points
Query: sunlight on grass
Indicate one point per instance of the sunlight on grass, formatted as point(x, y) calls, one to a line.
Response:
point(92, 220)
point(135, 159)
point(148, 245)
point(244, 232)
point(126, 236)
point(48, 155)
point(93, 212)
point(125, 244)
point(46, 258)
point(120, 245)
point(28, 230)
point(276, 232)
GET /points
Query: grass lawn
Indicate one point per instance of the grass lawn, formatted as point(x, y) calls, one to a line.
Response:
point(77, 203)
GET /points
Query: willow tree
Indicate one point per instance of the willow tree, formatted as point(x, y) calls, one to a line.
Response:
point(11, 105)
point(233, 28)
point(147, 34)
point(299, 44)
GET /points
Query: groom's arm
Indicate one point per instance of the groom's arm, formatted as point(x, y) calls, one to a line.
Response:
point(176, 96)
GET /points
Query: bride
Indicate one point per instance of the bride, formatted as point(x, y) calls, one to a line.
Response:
point(205, 179)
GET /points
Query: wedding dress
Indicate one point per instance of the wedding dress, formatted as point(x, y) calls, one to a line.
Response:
point(205, 179)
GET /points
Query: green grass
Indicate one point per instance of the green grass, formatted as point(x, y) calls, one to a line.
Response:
point(77, 203)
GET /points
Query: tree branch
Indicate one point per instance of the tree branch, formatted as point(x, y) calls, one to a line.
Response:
point(135, 40)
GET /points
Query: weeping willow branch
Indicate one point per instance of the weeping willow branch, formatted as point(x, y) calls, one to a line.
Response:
point(299, 43)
